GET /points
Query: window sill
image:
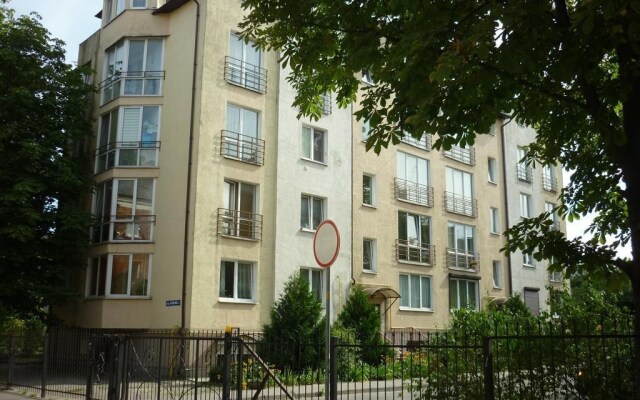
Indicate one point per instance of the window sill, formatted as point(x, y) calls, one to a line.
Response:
point(307, 230)
point(370, 272)
point(314, 161)
point(497, 234)
point(371, 206)
point(530, 266)
point(236, 301)
point(115, 297)
point(414, 263)
point(493, 183)
point(246, 239)
point(423, 310)
point(497, 287)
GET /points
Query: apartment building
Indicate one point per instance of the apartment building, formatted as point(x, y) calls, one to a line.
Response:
point(209, 189)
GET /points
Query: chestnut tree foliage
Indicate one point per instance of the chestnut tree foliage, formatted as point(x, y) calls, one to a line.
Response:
point(43, 104)
point(570, 69)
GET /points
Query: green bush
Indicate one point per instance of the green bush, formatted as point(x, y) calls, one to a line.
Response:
point(294, 339)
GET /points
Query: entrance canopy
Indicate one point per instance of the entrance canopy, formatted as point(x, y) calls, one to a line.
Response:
point(381, 293)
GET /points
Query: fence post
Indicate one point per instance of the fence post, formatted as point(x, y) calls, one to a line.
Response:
point(45, 360)
point(239, 371)
point(333, 370)
point(116, 368)
point(487, 353)
point(88, 393)
point(12, 360)
point(226, 383)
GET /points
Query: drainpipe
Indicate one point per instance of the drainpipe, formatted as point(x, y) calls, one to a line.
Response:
point(189, 165)
point(506, 194)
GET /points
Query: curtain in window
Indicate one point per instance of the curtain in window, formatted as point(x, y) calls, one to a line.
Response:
point(244, 281)
point(404, 290)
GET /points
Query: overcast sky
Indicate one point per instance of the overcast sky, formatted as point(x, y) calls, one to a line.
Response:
point(69, 20)
point(73, 21)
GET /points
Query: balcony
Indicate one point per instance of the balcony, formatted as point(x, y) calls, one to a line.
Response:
point(239, 224)
point(124, 228)
point(549, 183)
point(524, 172)
point(464, 155)
point(463, 260)
point(136, 83)
point(243, 74)
point(410, 251)
point(127, 154)
point(413, 192)
point(423, 143)
point(326, 105)
point(243, 148)
point(462, 205)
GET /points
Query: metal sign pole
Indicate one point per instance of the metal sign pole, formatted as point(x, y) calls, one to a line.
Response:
point(327, 339)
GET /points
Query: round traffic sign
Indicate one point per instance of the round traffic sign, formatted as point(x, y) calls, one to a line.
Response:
point(326, 243)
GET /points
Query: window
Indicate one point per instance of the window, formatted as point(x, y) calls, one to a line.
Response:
point(527, 260)
point(112, 9)
point(241, 138)
point(523, 170)
point(237, 280)
point(493, 170)
point(128, 137)
point(367, 77)
point(124, 210)
point(549, 181)
point(532, 300)
point(366, 130)
point(414, 238)
point(459, 194)
point(423, 143)
point(119, 275)
point(325, 104)
point(138, 3)
point(556, 276)
point(412, 182)
point(137, 62)
point(238, 216)
point(553, 217)
point(497, 275)
point(313, 144)
point(495, 220)
point(311, 212)
point(243, 66)
point(315, 281)
point(525, 205)
point(462, 243)
point(415, 292)
point(463, 293)
point(369, 255)
point(368, 190)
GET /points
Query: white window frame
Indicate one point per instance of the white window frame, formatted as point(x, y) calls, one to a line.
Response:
point(458, 281)
point(310, 215)
point(526, 210)
point(235, 297)
point(492, 167)
point(138, 7)
point(311, 154)
point(367, 77)
point(462, 256)
point(319, 274)
point(246, 69)
point(406, 300)
point(371, 188)
point(497, 274)
point(366, 130)
point(528, 260)
point(494, 216)
point(418, 245)
point(108, 271)
point(371, 243)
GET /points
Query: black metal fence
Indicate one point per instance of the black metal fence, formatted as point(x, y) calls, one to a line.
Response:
point(558, 361)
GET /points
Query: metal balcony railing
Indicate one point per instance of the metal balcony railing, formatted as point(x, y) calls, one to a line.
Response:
point(462, 205)
point(463, 260)
point(326, 104)
point(423, 143)
point(524, 172)
point(239, 224)
point(242, 147)
point(124, 228)
point(131, 83)
point(410, 251)
point(248, 76)
point(127, 154)
point(413, 192)
point(549, 183)
point(464, 155)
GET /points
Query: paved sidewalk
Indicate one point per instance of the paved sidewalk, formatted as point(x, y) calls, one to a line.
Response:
point(16, 395)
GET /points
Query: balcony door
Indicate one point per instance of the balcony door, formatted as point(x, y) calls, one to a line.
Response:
point(414, 234)
point(240, 201)
point(241, 140)
point(461, 251)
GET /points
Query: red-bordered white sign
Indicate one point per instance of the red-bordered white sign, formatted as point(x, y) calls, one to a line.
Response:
point(326, 243)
